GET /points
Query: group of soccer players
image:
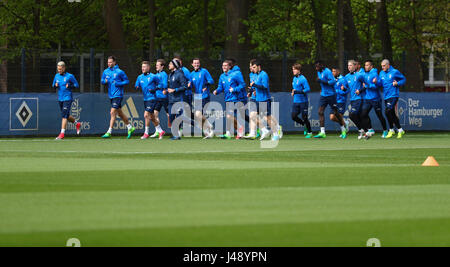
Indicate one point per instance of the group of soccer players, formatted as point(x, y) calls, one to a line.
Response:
point(177, 91)
point(364, 87)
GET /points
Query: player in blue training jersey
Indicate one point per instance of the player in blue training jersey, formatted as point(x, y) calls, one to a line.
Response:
point(327, 98)
point(391, 79)
point(162, 100)
point(64, 82)
point(372, 99)
point(201, 82)
point(341, 98)
point(253, 111)
point(355, 82)
point(231, 85)
point(148, 83)
point(300, 89)
point(116, 79)
point(264, 104)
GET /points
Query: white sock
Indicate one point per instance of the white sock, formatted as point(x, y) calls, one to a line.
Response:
point(129, 126)
point(253, 133)
point(159, 129)
point(343, 129)
point(63, 131)
point(322, 130)
point(147, 130)
point(110, 131)
point(228, 133)
point(361, 131)
point(400, 130)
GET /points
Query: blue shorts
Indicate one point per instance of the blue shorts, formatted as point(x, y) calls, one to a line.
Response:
point(341, 107)
point(391, 103)
point(356, 106)
point(328, 101)
point(188, 100)
point(240, 107)
point(149, 106)
point(264, 107)
point(65, 107)
point(375, 104)
point(162, 103)
point(173, 116)
point(204, 102)
point(301, 108)
point(252, 106)
point(116, 103)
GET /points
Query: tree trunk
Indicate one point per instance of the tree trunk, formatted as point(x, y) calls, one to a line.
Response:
point(318, 27)
point(205, 30)
point(114, 28)
point(4, 68)
point(36, 72)
point(237, 42)
point(340, 29)
point(352, 43)
point(416, 50)
point(153, 28)
point(384, 30)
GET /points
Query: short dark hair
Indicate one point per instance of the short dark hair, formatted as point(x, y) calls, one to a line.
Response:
point(336, 68)
point(161, 61)
point(297, 66)
point(196, 59)
point(231, 60)
point(145, 63)
point(371, 62)
point(252, 62)
point(257, 63)
point(319, 62)
point(113, 58)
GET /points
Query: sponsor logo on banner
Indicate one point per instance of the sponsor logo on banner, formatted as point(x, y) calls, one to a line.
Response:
point(130, 111)
point(75, 111)
point(412, 112)
point(24, 114)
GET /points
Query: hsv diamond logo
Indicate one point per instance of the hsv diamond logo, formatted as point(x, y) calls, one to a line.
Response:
point(23, 114)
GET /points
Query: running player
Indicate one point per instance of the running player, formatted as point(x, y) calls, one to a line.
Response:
point(300, 89)
point(341, 98)
point(372, 99)
point(253, 110)
point(64, 82)
point(231, 85)
point(177, 84)
point(116, 79)
point(391, 79)
point(201, 82)
point(148, 82)
point(264, 103)
point(162, 100)
point(355, 81)
point(327, 98)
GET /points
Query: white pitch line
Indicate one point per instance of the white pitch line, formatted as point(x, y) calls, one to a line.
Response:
point(211, 152)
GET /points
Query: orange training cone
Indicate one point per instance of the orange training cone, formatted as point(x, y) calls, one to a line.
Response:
point(430, 162)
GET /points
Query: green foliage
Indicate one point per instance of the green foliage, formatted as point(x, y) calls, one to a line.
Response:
point(283, 25)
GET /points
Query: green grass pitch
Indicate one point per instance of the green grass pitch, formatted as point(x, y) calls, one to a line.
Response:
point(194, 192)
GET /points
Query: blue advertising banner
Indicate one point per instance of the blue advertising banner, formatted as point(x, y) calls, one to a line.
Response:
point(39, 114)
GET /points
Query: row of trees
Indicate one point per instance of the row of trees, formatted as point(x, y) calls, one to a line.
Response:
point(329, 29)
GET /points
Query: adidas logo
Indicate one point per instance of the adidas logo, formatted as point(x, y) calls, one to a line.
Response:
point(130, 111)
